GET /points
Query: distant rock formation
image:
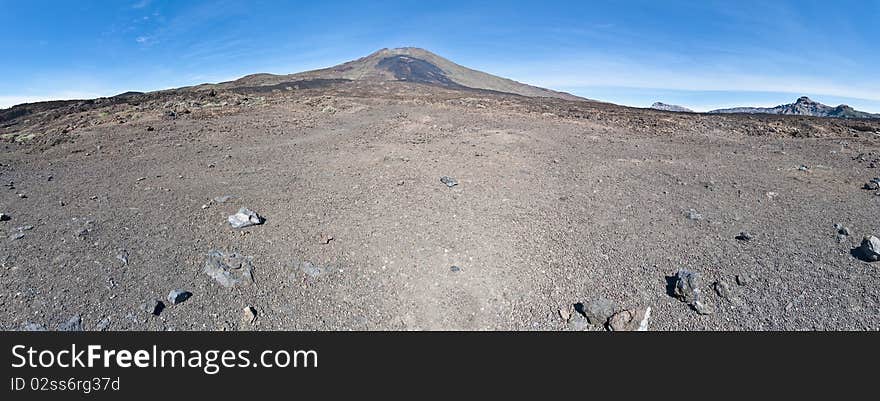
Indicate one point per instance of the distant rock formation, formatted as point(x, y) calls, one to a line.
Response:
point(670, 107)
point(803, 106)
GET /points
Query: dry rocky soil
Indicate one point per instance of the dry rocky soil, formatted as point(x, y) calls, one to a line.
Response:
point(555, 214)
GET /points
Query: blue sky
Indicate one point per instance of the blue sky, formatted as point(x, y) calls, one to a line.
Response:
point(701, 54)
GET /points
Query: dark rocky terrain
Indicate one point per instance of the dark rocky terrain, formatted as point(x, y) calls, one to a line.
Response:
point(393, 194)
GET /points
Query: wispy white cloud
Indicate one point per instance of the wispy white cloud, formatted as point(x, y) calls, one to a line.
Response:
point(141, 4)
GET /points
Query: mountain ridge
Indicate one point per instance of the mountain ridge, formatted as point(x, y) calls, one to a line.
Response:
point(803, 106)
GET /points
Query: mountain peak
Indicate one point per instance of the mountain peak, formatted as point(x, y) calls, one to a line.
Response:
point(409, 64)
point(804, 99)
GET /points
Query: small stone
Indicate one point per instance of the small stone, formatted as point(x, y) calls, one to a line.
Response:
point(154, 307)
point(178, 296)
point(565, 314)
point(871, 186)
point(141, 178)
point(229, 269)
point(4, 217)
point(449, 181)
point(122, 257)
point(693, 215)
point(702, 308)
point(803, 168)
point(245, 218)
point(74, 324)
point(597, 311)
point(325, 239)
point(744, 236)
point(630, 320)
point(743, 279)
point(22, 196)
point(578, 322)
point(30, 326)
point(843, 231)
point(16, 235)
point(722, 289)
point(686, 286)
point(103, 324)
point(224, 198)
point(870, 248)
point(250, 314)
point(454, 269)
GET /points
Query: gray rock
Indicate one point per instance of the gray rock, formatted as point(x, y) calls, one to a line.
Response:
point(578, 322)
point(224, 198)
point(4, 217)
point(722, 289)
point(16, 235)
point(702, 308)
point(597, 311)
point(449, 181)
point(743, 279)
point(154, 307)
point(310, 269)
point(687, 286)
point(122, 257)
point(229, 269)
point(693, 215)
point(455, 269)
point(178, 296)
point(870, 248)
point(630, 320)
point(871, 186)
point(250, 314)
point(29, 326)
point(74, 324)
point(245, 218)
point(103, 324)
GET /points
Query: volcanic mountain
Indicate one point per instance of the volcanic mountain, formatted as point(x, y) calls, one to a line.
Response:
point(803, 106)
point(408, 64)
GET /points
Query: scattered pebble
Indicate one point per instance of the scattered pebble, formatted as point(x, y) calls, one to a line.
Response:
point(103, 324)
point(743, 279)
point(630, 320)
point(565, 314)
point(449, 181)
point(722, 289)
point(325, 239)
point(744, 236)
point(250, 314)
point(693, 215)
point(154, 307)
point(229, 269)
point(178, 296)
point(74, 324)
point(4, 217)
point(454, 269)
point(122, 257)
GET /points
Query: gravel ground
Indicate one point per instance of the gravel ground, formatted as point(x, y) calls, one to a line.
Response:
point(557, 202)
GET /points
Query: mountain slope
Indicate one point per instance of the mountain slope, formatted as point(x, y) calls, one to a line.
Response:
point(406, 64)
point(803, 106)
